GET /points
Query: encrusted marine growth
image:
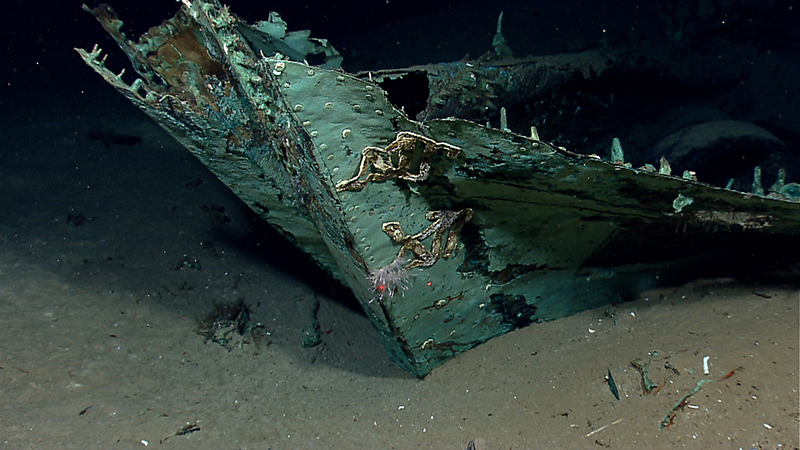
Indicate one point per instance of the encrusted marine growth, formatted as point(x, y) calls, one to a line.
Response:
point(396, 277)
point(449, 222)
point(402, 149)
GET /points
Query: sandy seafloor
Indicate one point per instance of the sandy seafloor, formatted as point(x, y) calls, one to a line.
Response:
point(104, 316)
point(99, 346)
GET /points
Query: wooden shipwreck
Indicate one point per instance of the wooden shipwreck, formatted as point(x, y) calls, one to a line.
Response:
point(447, 231)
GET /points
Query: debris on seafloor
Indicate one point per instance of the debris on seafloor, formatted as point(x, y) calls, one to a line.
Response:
point(189, 262)
point(671, 368)
point(311, 335)
point(612, 385)
point(643, 367)
point(604, 427)
point(478, 444)
point(670, 417)
point(501, 230)
point(77, 219)
point(666, 422)
point(229, 325)
point(183, 431)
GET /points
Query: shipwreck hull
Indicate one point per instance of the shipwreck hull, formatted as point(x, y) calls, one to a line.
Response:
point(448, 232)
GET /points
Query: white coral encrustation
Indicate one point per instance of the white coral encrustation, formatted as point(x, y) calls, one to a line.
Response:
point(391, 279)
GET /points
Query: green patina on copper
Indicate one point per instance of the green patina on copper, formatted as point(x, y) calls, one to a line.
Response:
point(448, 232)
